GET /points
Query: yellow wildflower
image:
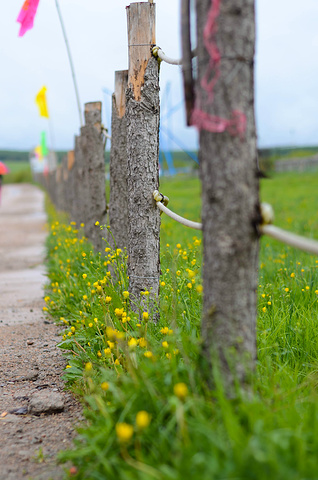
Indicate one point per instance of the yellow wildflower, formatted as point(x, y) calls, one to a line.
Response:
point(142, 342)
point(180, 390)
point(142, 419)
point(88, 366)
point(124, 432)
point(132, 343)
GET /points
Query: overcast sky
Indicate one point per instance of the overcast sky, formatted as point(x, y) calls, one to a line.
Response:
point(286, 70)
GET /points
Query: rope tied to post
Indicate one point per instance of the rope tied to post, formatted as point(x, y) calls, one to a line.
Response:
point(297, 241)
point(160, 201)
point(162, 57)
point(265, 228)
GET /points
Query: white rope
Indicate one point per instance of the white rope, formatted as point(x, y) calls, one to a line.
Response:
point(187, 223)
point(306, 244)
point(160, 54)
point(183, 221)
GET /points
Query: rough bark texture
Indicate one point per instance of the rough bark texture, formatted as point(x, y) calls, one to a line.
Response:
point(229, 192)
point(93, 152)
point(143, 179)
point(66, 187)
point(118, 209)
point(82, 185)
point(59, 188)
point(71, 183)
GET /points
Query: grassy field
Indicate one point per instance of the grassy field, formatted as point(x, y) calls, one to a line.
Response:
point(20, 172)
point(149, 413)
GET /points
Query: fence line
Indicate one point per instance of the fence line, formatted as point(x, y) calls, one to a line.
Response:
point(78, 185)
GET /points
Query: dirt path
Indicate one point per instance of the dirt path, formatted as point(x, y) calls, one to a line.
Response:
point(36, 415)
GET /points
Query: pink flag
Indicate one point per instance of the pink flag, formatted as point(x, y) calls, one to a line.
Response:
point(26, 15)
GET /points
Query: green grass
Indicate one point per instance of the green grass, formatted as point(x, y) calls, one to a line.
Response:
point(20, 172)
point(190, 431)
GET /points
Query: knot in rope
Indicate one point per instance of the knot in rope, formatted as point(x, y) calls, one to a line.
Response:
point(158, 197)
point(267, 214)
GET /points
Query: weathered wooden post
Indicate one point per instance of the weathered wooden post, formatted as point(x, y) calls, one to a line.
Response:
point(224, 115)
point(142, 111)
point(92, 144)
point(118, 208)
point(65, 188)
point(52, 186)
point(59, 188)
point(81, 184)
point(71, 183)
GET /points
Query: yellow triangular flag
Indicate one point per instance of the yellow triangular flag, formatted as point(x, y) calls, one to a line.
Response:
point(41, 102)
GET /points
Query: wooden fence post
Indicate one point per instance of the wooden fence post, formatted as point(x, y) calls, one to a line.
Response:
point(71, 183)
point(118, 209)
point(142, 113)
point(224, 115)
point(81, 184)
point(93, 153)
point(59, 188)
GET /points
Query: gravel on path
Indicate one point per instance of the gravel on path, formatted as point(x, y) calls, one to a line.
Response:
point(37, 416)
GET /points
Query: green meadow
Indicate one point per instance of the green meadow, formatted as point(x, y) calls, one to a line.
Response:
point(148, 410)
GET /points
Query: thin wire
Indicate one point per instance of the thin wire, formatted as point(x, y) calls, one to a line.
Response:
point(71, 63)
point(141, 45)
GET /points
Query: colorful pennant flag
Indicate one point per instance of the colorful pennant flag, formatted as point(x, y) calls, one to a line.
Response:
point(41, 102)
point(38, 153)
point(26, 15)
point(43, 144)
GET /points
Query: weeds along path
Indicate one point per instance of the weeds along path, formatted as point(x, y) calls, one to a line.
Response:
point(36, 415)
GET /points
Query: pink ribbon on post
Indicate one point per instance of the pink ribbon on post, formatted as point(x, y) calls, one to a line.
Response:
point(26, 16)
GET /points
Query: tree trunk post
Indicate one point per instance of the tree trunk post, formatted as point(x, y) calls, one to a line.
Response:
point(142, 113)
point(59, 188)
point(93, 153)
point(118, 209)
point(81, 184)
point(71, 186)
point(224, 115)
point(65, 175)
